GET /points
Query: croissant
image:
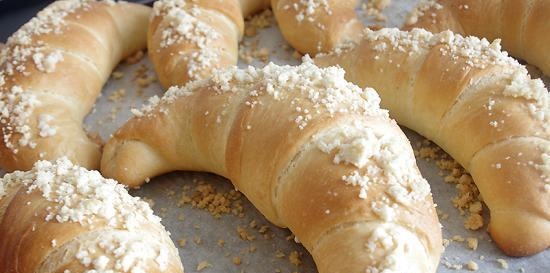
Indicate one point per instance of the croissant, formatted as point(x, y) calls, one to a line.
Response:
point(480, 106)
point(317, 26)
point(311, 151)
point(523, 26)
point(188, 39)
point(58, 217)
point(51, 71)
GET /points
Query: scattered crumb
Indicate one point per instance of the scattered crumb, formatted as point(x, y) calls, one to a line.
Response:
point(117, 95)
point(458, 238)
point(374, 9)
point(468, 199)
point(117, 75)
point(133, 59)
point(503, 263)
point(472, 243)
point(205, 196)
point(181, 217)
point(197, 240)
point(258, 21)
point(237, 260)
point(294, 258)
point(144, 82)
point(474, 222)
point(472, 266)
point(249, 50)
point(244, 235)
point(202, 265)
point(450, 265)
point(182, 242)
point(279, 254)
point(221, 243)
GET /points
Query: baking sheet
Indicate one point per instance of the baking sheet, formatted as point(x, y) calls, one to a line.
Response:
point(248, 237)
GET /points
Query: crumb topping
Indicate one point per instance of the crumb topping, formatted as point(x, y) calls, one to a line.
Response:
point(545, 169)
point(130, 255)
point(85, 197)
point(374, 8)
point(325, 88)
point(308, 9)
point(394, 243)
point(82, 196)
point(380, 158)
point(16, 107)
point(186, 27)
point(421, 8)
point(477, 53)
point(44, 127)
point(46, 63)
point(49, 20)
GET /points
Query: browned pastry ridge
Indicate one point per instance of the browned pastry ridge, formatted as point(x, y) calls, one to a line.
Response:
point(317, 26)
point(51, 72)
point(480, 106)
point(189, 39)
point(58, 217)
point(311, 151)
point(523, 26)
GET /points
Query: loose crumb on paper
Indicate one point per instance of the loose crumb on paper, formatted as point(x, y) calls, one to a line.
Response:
point(203, 265)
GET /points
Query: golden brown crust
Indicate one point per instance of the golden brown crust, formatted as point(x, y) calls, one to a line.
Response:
point(52, 70)
point(317, 26)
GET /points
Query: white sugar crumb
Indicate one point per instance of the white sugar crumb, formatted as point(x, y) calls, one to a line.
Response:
point(396, 243)
point(522, 86)
point(544, 168)
point(186, 26)
point(503, 263)
point(16, 107)
point(325, 89)
point(380, 158)
point(44, 127)
point(49, 20)
point(122, 253)
point(152, 102)
point(308, 9)
point(421, 8)
point(472, 266)
point(85, 197)
point(47, 63)
point(478, 53)
point(475, 53)
point(82, 196)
